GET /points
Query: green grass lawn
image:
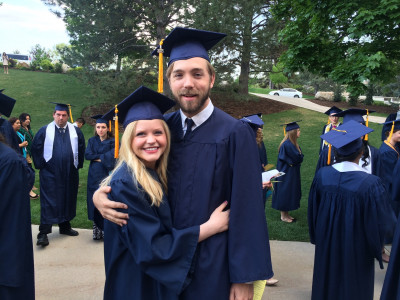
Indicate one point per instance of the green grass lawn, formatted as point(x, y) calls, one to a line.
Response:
point(33, 91)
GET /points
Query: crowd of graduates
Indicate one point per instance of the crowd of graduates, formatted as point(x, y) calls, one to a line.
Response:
point(177, 245)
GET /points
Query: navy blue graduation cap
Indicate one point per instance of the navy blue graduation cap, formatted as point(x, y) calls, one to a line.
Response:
point(391, 126)
point(6, 104)
point(185, 43)
point(99, 119)
point(142, 104)
point(291, 126)
point(355, 114)
point(253, 120)
point(61, 106)
point(333, 110)
point(346, 139)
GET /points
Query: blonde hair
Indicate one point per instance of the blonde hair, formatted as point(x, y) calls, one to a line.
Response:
point(259, 137)
point(292, 137)
point(140, 175)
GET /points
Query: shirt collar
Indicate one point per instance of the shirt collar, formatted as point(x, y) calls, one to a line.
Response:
point(200, 118)
point(347, 166)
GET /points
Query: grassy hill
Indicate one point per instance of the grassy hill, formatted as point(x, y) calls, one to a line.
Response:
point(33, 91)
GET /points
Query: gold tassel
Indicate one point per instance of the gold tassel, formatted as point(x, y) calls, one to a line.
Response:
point(160, 67)
point(70, 113)
point(391, 133)
point(329, 155)
point(116, 152)
point(284, 131)
point(366, 124)
point(109, 125)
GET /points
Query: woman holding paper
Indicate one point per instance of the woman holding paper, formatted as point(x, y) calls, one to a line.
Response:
point(287, 192)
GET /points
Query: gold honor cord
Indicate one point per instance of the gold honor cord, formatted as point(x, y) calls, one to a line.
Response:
point(70, 113)
point(329, 155)
point(116, 152)
point(366, 124)
point(160, 67)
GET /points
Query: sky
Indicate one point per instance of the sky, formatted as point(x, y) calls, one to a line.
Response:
point(25, 23)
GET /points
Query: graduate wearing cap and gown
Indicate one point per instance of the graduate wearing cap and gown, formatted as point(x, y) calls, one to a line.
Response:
point(146, 258)
point(16, 253)
point(100, 152)
point(348, 216)
point(333, 122)
point(370, 161)
point(391, 284)
point(213, 158)
point(389, 157)
point(58, 152)
point(287, 192)
point(6, 107)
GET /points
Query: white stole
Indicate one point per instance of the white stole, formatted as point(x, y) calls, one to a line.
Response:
point(49, 142)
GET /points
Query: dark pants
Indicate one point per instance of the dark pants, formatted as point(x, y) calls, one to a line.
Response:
point(46, 228)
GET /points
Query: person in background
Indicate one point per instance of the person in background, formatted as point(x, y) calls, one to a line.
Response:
point(287, 193)
point(5, 62)
point(391, 117)
point(79, 122)
point(333, 122)
point(389, 157)
point(16, 125)
point(391, 284)
point(148, 258)
point(26, 131)
point(349, 216)
point(16, 260)
point(213, 159)
point(7, 105)
point(256, 124)
point(100, 152)
point(58, 151)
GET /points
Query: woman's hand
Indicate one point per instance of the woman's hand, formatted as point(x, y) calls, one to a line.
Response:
point(267, 184)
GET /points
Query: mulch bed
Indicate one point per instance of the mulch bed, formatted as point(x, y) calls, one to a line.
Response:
point(238, 109)
point(344, 105)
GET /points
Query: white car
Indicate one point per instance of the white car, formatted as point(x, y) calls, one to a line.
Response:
point(287, 93)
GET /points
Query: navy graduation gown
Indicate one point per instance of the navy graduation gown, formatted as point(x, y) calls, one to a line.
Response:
point(59, 179)
point(396, 185)
point(321, 144)
point(147, 258)
point(16, 252)
point(9, 134)
point(219, 161)
point(391, 285)
point(98, 170)
point(287, 192)
point(348, 218)
point(389, 158)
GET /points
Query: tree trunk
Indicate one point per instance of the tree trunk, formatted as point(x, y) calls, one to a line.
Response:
point(246, 51)
point(119, 60)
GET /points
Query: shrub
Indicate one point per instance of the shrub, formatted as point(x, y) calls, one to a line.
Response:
point(75, 71)
point(353, 99)
point(58, 68)
point(337, 96)
point(370, 93)
point(12, 63)
point(46, 65)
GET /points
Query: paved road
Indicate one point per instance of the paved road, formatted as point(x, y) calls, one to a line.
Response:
point(73, 268)
point(301, 102)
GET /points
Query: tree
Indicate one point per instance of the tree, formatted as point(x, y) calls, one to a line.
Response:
point(276, 76)
point(347, 40)
point(251, 44)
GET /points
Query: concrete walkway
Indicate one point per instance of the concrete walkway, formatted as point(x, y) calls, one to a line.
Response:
point(73, 268)
point(301, 102)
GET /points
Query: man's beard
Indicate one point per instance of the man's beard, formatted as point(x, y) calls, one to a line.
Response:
point(191, 108)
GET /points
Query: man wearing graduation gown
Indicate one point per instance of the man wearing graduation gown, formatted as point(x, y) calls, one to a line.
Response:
point(348, 216)
point(333, 122)
point(58, 152)
point(213, 158)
